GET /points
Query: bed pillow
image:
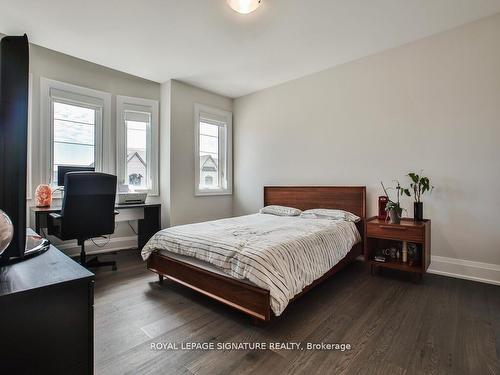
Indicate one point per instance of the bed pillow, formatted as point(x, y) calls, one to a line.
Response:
point(324, 213)
point(280, 211)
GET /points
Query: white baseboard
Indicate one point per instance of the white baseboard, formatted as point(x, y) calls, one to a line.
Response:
point(465, 269)
point(71, 248)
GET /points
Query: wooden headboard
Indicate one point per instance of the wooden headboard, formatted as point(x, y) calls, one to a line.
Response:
point(348, 198)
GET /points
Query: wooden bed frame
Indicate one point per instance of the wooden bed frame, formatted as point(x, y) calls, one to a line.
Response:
point(252, 300)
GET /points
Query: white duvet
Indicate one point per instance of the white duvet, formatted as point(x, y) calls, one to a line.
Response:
point(279, 254)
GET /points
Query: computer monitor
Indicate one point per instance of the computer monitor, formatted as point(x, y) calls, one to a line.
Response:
point(63, 169)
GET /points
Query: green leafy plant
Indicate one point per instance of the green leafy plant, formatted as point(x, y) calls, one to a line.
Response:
point(394, 205)
point(419, 186)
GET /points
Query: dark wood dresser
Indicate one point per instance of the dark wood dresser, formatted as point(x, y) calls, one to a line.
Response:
point(46, 316)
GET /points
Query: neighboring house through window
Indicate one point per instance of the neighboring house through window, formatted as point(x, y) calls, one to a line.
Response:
point(137, 143)
point(213, 156)
point(136, 169)
point(209, 171)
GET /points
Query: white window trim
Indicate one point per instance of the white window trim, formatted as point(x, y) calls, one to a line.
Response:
point(103, 128)
point(121, 139)
point(228, 116)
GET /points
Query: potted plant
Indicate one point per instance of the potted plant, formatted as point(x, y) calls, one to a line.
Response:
point(393, 208)
point(419, 185)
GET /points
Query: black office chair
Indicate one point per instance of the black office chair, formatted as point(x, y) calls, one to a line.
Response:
point(88, 211)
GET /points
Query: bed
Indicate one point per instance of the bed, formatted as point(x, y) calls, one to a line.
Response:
point(260, 263)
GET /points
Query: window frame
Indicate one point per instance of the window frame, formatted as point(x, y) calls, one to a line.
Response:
point(52, 90)
point(226, 156)
point(97, 130)
point(150, 106)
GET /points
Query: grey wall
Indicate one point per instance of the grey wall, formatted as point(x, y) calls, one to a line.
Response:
point(165, 150)
point(54, 65)
point(179, 205)
point(185, 207)
point(433, 104)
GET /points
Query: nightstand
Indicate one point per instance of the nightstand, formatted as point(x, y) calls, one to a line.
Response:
point(380, 235)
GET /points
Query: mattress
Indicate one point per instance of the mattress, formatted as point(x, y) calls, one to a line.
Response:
point(281, 254)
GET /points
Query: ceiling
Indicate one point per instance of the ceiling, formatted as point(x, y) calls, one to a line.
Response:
point(206, 44)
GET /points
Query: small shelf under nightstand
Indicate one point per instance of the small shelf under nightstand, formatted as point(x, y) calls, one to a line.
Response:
point(380, 234)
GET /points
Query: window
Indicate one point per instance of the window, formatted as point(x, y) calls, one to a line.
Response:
point(74, 135)
point(137, 143)
point(213, 151)
point(73, 119)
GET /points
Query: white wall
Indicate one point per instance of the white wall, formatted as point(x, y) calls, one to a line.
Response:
point(54, 65)
point(185, 207)
point(433, 104)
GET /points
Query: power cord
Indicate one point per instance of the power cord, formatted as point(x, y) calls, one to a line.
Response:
point(131, 227)
point(92, 239)
point(109, 237)
point(101, 245)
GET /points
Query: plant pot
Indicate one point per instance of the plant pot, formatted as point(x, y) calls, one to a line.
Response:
point(394, 217)
point(418, 211)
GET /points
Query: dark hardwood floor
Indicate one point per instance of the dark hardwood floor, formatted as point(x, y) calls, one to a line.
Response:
point(441, 326)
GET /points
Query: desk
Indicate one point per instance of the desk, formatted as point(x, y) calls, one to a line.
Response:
point(46, 316)
point(147, 227)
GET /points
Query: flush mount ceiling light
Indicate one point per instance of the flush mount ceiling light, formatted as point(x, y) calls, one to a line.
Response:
point(244, 6)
